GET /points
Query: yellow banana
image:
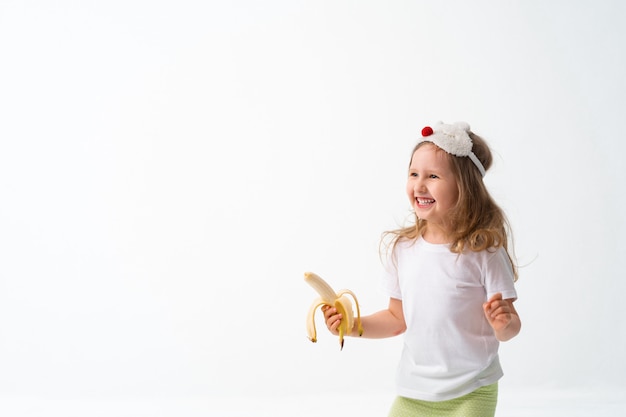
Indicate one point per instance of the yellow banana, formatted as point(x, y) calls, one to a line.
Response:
point(339, 300)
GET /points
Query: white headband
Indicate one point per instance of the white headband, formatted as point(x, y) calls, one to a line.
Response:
point(453, 139)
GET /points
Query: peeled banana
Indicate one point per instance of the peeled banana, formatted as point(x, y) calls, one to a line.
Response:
point(339, 300)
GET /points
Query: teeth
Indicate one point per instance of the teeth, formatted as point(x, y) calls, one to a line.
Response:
point(425, 200)
point(343, 304)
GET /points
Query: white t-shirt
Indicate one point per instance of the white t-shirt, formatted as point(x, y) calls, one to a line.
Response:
point(449, 347)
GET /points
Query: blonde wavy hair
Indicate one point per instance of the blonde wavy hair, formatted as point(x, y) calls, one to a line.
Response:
point(478, 222)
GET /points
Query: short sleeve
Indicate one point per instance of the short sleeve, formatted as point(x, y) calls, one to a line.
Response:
point(499, 277)
point(390, 283)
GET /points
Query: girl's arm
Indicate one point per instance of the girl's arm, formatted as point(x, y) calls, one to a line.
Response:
point(385, 323)
point(503, 317)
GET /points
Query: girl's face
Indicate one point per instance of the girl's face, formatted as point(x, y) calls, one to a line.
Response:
point(432, 189)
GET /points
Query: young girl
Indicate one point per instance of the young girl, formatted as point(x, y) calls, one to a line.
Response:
point(450, 282)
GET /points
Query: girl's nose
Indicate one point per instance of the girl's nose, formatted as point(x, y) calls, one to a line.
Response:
point(419, 187)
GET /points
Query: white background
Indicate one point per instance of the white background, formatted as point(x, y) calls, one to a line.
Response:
point(169, 169)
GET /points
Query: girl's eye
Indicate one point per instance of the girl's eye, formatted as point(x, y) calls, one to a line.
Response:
point(413, 174)
point(433, 176)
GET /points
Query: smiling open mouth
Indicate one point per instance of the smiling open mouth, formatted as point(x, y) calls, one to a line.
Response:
point(424, 201)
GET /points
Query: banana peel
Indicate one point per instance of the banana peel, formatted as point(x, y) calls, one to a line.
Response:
point(340, 300)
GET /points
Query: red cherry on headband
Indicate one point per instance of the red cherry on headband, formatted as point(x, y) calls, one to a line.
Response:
point(427, 131)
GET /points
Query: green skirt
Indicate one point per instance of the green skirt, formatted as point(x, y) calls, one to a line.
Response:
point(479, 403)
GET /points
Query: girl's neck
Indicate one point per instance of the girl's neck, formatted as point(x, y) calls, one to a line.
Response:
point(436, 235)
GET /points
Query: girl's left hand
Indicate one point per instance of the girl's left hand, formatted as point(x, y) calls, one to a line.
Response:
point(499, 312)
